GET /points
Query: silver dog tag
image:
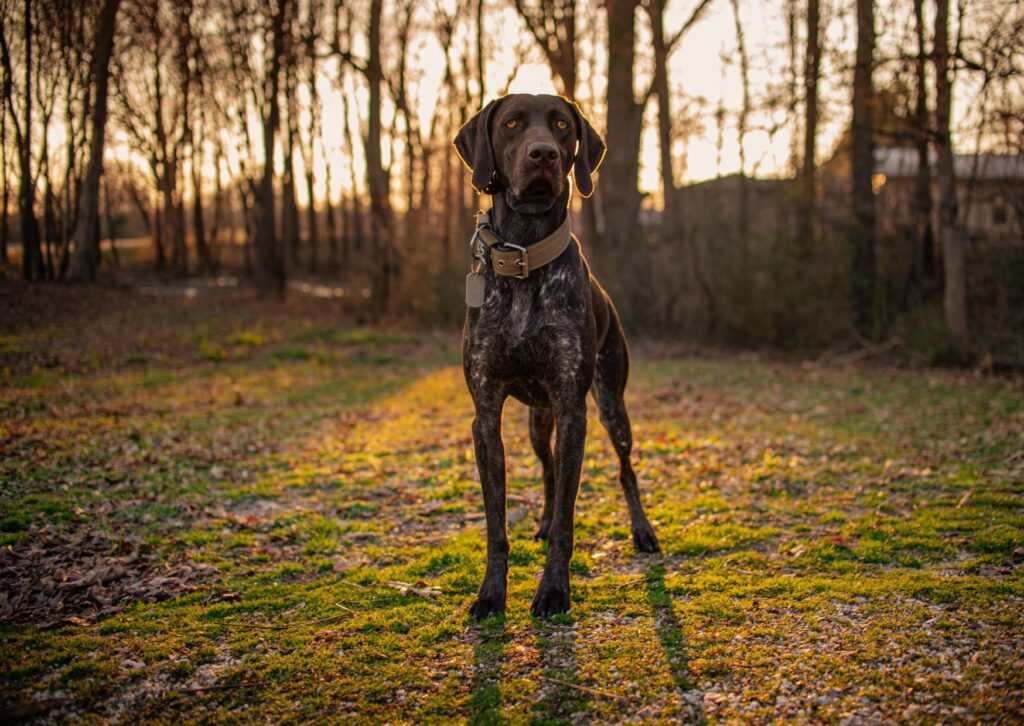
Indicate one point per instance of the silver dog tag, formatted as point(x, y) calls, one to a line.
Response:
point(474, 289)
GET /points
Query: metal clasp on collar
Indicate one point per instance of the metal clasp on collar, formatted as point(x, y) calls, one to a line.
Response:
point(479, 250)
point(523, 262)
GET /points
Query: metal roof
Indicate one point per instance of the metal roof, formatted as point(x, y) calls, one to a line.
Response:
point(902, 162)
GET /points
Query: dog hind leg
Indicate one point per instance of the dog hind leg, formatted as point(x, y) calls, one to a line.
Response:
point(608, 389)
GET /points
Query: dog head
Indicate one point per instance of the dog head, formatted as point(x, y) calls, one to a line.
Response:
point(527, 145)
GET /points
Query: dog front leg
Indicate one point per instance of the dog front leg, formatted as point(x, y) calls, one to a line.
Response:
point(571, 433)
point(490, 462)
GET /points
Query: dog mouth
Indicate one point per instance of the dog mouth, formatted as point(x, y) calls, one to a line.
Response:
point(540, 187)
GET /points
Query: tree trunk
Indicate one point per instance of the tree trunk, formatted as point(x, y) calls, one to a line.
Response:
point(82, 266)
point(620, 195)
point(198, 224)
point(862, 233)
point(924, 257)
point(656, 9)
point(812, 71)
point(5, 228)
point(269, 262)
point(329, 222)
point(954, 299)
point(553, 27)
point(743, 220)
point(289, 202)
point(31, 254)
point(376, 174)
point(480, 77)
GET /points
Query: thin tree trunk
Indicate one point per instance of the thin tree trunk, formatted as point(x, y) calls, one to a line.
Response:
point(312, 231)
point(198, 223)
point(656, 9)
point(377, 175)
point(924, 262)
point(352, 227)
point(862, 233)
point(793, 82)
point(289, 202)
point(954, 299)
point(480, 52)
point(329, 221)
point(812, 71)
point(269, 268)
point(108, 215)
point(218, 209)
point(743, 220)
point(82, 266)
point(31, 254)
point(5, 228)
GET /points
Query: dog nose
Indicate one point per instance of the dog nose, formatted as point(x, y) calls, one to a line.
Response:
point(542, 153)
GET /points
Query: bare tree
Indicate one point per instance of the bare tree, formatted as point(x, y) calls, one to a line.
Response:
point(83, 260)
point(270, 257)
point(862, 147)
point(954, 300)
point(812, 71)
point(552, 23)
point(620, 195)
point(924, 258)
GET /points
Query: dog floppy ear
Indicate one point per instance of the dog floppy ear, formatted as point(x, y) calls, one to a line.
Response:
point(473, 143)
point(589, 153)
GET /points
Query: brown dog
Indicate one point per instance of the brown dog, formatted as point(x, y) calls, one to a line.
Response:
point(542, 331)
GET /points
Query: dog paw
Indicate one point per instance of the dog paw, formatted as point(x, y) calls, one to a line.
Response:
point(486, 605)
point(644, 539)
point(550, 600)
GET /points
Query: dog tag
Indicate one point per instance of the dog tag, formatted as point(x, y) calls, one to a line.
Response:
point(474, 289)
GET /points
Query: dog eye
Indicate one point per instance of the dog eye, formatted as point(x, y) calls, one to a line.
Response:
point(561, 124)
point(511, 123)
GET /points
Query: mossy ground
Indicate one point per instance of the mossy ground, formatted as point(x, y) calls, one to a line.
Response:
point(837, 543)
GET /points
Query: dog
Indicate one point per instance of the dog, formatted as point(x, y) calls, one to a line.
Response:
point(542, 331)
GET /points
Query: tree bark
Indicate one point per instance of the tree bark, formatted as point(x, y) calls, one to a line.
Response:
point(924, 254)
point(82, 266)
point(289, 188)
point(954, 299)
point(5, 228)
point(862, 233)
point(812, 71)
point(377, 176)
point(553, 26)
point(656, 10)
point(31, 254)
point(743, 221)
point(269, 263)
point(620, 196)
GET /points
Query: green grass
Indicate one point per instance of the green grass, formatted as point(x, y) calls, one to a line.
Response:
point(838, 543)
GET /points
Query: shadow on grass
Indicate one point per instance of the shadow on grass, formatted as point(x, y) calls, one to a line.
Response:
point(489, 637)
point(670, 635)
point(556, 641)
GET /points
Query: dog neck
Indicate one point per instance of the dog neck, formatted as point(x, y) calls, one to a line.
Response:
point(527, 229)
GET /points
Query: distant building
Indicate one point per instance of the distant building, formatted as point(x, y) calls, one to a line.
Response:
point(990, 193)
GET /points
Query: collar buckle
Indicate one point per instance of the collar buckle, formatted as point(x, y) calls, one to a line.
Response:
point(523, 263)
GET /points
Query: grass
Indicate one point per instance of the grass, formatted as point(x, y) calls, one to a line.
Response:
point(838, 543)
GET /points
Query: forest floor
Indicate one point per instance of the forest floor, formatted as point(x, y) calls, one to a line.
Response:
point(215, 509)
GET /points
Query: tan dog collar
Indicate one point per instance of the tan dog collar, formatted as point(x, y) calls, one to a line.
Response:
point(512, 260)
